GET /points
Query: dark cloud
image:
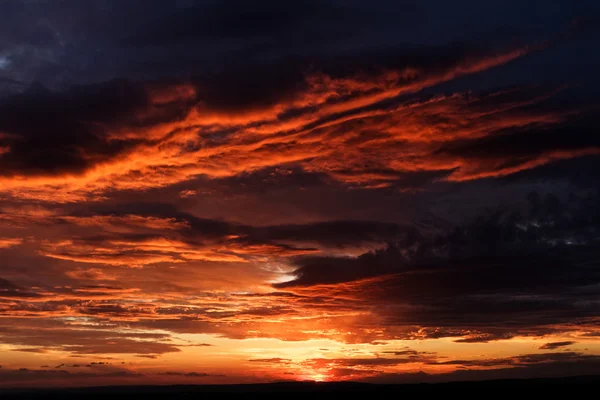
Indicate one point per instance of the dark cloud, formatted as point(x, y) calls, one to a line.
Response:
point(10, 290)
point(189, 374)
point(581, 171)
point(31, 350)
point(518, 146)
point(31, 375)
point(331, 233)
point(524, 297)
point(556, 345)
point(334, 270)
point(275, 360)
point(403, 352)
point(416, 357)
point(52, 133)
point(538, 223)
point(267, 20)
point(497, 334)
point(247, 86)
point(102, 41)
point(521, 367)
point(338, 233)
point(526, 359)
point(534, 267)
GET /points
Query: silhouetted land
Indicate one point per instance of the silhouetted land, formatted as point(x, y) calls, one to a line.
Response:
point(484, 388)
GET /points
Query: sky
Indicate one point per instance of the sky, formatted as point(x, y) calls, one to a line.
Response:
point(222, 192)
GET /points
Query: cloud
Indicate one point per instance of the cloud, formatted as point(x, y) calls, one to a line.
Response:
point(383, 177)
point(17, 377)
point(220, 21)
point(9, 242)
point(134, 253)
point(538, 223)
point(489, 263)
point(399, 369)
point(533, 300)
point(396, 291)
point(371, 362)
point(65, 135)
point(359, 128)
point(556, 345)
point(275, 360)
point(67, 338)
point(31, 350)
point(527, 359)
point(10, 290)
point(521, 368)
point(511, 151)
point(156, 234)
point(190, 374)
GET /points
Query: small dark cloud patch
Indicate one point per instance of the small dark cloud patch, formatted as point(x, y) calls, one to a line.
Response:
point(517, 146)
point(31, 350)
point(32, 375)
point(556, 345)
point(274, 360)
point(10, 290)
point(190, 374)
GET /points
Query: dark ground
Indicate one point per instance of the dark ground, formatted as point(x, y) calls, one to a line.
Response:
point(575, 385)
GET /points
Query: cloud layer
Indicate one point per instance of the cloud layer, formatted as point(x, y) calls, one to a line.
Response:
point(396, 195)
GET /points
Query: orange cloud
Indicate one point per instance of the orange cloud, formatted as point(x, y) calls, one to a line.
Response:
point(9, 242)
point(337, 126)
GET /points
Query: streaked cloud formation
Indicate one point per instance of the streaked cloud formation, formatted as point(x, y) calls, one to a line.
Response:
point(193, 196)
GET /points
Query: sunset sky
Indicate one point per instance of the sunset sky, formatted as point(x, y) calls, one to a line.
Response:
point(253, 191)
